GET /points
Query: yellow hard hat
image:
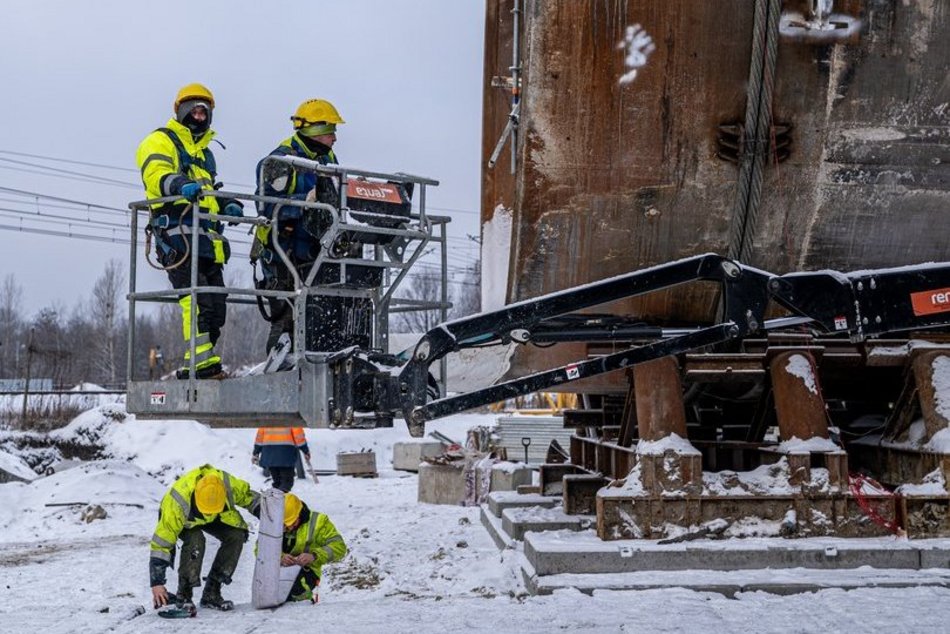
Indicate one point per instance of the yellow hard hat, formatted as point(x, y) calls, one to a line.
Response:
point(315, 111)
point(193, 91)
point(210, 494)
point(292, 508)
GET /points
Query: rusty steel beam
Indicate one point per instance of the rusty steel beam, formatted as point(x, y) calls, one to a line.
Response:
point(799, 407)
point(659, 399)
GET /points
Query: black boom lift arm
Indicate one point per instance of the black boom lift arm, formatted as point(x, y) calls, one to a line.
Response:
point(860, 304)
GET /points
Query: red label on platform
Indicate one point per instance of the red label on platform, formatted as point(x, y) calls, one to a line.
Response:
point(386, 192)
point(930, 302)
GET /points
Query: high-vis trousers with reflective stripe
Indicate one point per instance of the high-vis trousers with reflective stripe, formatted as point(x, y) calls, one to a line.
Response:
point(212, 310)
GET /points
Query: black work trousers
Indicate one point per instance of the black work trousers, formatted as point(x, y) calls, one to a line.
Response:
point(212, 307)
point(283, 478)
point(278, 278)
point(193, 552)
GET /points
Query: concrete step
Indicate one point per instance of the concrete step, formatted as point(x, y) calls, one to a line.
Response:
point(495, 530)
point(730, 583)
point(563, 552)
point(518, 521)
point(498, 501)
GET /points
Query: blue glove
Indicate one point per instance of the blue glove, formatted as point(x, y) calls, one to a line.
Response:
point(233, 209)
point(190, 190)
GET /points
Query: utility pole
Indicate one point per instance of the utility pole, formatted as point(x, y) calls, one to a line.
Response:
point(26, 382)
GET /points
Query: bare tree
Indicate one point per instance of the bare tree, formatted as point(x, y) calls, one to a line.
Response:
point(107, 309)
point(423, 285)
point(466, 293)
point(11, 324)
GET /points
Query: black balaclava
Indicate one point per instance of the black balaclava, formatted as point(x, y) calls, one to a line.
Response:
point(185, 118)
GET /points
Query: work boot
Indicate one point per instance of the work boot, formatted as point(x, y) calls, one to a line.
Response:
point(211, 597)
point(182, 600)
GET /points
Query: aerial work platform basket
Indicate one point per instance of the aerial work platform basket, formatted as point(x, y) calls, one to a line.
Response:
point(369, 236)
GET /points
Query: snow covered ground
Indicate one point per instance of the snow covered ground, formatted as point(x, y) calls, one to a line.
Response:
point(412, 567)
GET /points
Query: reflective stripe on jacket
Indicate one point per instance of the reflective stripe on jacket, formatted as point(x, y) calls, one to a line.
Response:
point(319, 537)
point(278, 446)
point(176, 513)
point(159, 162)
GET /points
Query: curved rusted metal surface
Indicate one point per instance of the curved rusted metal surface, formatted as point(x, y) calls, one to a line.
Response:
point(614, 177)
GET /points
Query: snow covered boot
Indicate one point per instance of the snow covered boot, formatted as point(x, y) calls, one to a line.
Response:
point(179, 606)
point(211, 597)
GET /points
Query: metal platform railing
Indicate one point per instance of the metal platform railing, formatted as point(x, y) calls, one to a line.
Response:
point(406, 239)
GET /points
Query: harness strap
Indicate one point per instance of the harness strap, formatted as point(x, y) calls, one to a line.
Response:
point(185, 160)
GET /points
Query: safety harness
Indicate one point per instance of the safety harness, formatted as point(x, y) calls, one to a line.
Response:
point(161, 225)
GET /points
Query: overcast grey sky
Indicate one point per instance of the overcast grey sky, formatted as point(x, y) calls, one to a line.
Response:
point(86, 81)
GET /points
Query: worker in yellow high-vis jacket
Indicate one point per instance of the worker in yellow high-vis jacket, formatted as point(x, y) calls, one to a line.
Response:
point(204, 500)
point(175, 160)
point(310, 541)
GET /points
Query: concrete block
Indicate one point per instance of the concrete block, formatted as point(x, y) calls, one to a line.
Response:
point(408, 455)
point(580, 493)
point(518, 521)
point(550, 476)
point(441, 483)
point(358, 463)
point(508, 476)
point(498, 501)
point(935, 558)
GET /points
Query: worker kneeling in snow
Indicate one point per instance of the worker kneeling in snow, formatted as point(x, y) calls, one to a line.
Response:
point(204, 500)
point(310, 540)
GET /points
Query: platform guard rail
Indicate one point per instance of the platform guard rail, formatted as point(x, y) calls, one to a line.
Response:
point(280, 397)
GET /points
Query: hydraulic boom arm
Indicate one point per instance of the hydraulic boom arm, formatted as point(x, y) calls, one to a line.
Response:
point(862, 304)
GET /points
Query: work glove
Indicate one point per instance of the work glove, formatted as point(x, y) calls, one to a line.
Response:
point(190, 190)
point(235, 210)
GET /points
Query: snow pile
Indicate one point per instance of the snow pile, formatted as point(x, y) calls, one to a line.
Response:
point(16, 467)
point(933, 484)
point(764, 480)
point(673, 443)
point(812, 445)
point(52, 506)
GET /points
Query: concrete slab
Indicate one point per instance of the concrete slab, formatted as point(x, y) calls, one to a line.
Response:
point(583, 553)
point(498, 501)
point(731, 583)
point(516, 522)
point(408, 455)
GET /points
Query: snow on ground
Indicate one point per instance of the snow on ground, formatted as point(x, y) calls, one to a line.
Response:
point(412, 567)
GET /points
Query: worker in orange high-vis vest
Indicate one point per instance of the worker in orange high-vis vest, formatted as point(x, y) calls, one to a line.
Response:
point(275, 449)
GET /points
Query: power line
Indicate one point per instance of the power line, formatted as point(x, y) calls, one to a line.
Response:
point(74, 162)
point(65, 177)
point(102, 179)
point(23, 192)
point(44, 157)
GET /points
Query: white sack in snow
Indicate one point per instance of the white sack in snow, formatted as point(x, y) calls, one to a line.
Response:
point(265, 587)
